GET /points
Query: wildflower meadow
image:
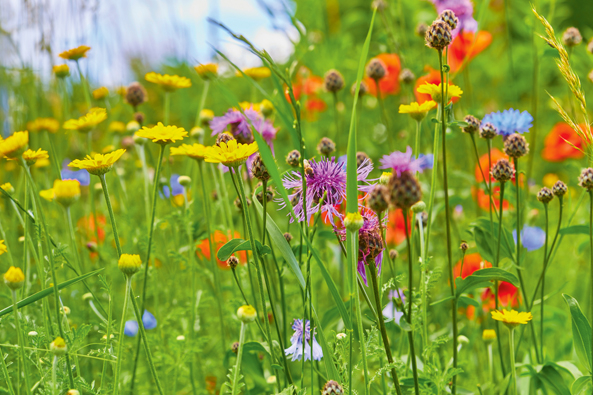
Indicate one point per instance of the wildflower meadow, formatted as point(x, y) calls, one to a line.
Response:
point(402, 205)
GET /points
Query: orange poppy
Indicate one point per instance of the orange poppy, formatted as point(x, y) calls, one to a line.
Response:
point(563, 143)
point(471, 263)
point(483, 199)
point(389, 84)
point(219, 239)
point(396, 231)
point(87, 224)
point(308, 85)
point(463, 46)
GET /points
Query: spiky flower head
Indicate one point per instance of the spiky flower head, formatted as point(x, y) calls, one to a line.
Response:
point(333, 81)
point(406, 76)
point(404, 190)
point(326, 146)
point(98, 164)
point(246, 314)
point(463, 246)
point(162, 134)
point(14, 277)
point(231, 154)
point(14, 145)
point(449, 18)
point(207, 71)
point(324, 176)
point(75, 53)
point(194, 151)
point(169, 83)
point(572, 37)
point(66, 192)
point(88, 121)
point(559, 189)
point(379, 198)
point(136, 94)
point(473, 124)
point(49, 125)
point(332, 388)
point(61, 70)
point(545, 195)
point(31, 156)
point(438, 35)
point(393, 254)
point(417, 111)
point(239, 204)
point(502, 171)
point(376, 69)
point(379, 5)
point(488, 131)
point(515, 146)
point(129, 264)
point(58, 347)
point(511, 318)
point(586, 179)
point(293, 158)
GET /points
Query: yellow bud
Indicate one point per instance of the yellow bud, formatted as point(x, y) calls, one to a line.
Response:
point(129, 264)
point(14, 278)
point(247, 314)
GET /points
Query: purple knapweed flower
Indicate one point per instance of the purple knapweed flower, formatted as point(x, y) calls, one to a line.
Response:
point(390, 311)
point(464, 11)
point(509, 121)
point(239, 125)
point(297, 347)
point(401, 162)
point(325, 175)
point(532, 237)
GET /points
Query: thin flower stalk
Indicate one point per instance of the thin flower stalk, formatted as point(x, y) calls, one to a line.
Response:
point(202, 102)
point(541, 334)
point(235, 389)
point(496, 264)
point(119, 356)
point(5, 373)
point(21, 342)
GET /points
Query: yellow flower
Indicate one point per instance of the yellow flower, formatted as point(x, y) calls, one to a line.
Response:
point(550, 179)
point(3, 247)
point(98, 164)
point(162, 134)
point(168, 82)
point(108, 149)
point(488, 335)
point(43, 162)
point(129, 264)
point(14, 278)
point(417, 111)
point(58, 347)
point(47, 194)
point(245, 105)
point(100, 93)
point(247, 313)
point(7, 187)
point(50, 125)
point(66, 192)
point(87, 122)
point(75, 53)
point(435, 91)
point(31, 156)
point(257, 73)
point(231, 154)
point(117, 127)
point(61, 70)
point(206, 116)
point(195, 151)
point(353, 221)
point(207, 71)
point(511, 318)
point(14, 145)
point(266, 107)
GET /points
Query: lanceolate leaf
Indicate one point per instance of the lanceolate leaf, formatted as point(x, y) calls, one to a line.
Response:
point(235, 245)
point(581, 331)
point(483, 278)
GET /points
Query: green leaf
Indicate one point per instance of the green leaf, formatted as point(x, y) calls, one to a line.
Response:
point(235, 245)
point(463, 301)
point(553, 380)
point(583, 385)
point(48, 291)
point(575, 230)
point(487, 240)
point(482, 278)
point(255, 347)
point(581, 331)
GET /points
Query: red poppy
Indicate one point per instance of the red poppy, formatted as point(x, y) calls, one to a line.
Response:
point(308, 85)
point(483, 199)
point(563, 143)
point(508, 296)
point(389, 84)
point(471, 263)
point(219, 239)
point(463, 46)
point(396, 231)
point(87, 224)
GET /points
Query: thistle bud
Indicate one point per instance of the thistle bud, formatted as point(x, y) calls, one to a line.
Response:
point(515, 146)
point(406, 76)
point(258, 169)
point(308, 168)
point(293, 158)
point(139, 117)
point(326, 146)
point(333, 81)
point(361, 91)
point(239, 204)
point(473, 124)
point(502, 171)
point(361, 157)
point(586, 179)
point(463, 246)
point(393, 254)
point(438, 35)
point(379, 198)
point(449, 18)
point(379, 5)
point(332, 388)
point(572, 37)
point(488, 131)
point(421, 29)
point(233, 262)
point(269, 195)
point(545, 195)
point(235, 347)
point(405, 190)
point(376, 69)
point(136, 94)
point(288, 237)
point(559, 189)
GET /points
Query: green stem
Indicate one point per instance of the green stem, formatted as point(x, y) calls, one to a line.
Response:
point(411, 305)
point(235, 389)
point(448, 221)
point(111, 215)
point(513, 372)
point(121, 338)
point(541, 334)
point(21, 342)
point(73, 238)
point(167, 110)
point(202, 102)
point(54, 375)
point(496, 263)
point(591, 250)
point(5, 373)
point(53, 156)
point(85, 88)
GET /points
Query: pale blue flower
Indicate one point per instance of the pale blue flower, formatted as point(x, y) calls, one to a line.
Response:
point(509, 121)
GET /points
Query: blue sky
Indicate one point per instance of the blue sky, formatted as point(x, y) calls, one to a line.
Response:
point(155, 31)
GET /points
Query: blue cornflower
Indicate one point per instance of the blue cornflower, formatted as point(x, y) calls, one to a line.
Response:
point(296, 349)
point(509, 121)
point(532, 237)
point(131, 326)
point(178, 189)
point(82, 176)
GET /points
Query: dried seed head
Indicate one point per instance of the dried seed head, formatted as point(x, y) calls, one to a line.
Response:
point(326, 146)
point(488, 131)
point(515, 146)
point(332, 388)
point(406, 76)
point(393, 254)
point(572, 37)
point(449, 18)
point(293, 158)
point(473, 124)
point(404, 190)
point(233, 262)
point(258, 169)
point(502, 171)
point(223, 138)
point(559, 189)
point(463, 246)
point(136, 94)
point(438, 35)
point(361, 157)
point(288, 237)
point(333, 81)
point(545, 195)
point(379, 198)
point(421, 29)
point(586, 179)
point(376, 69)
